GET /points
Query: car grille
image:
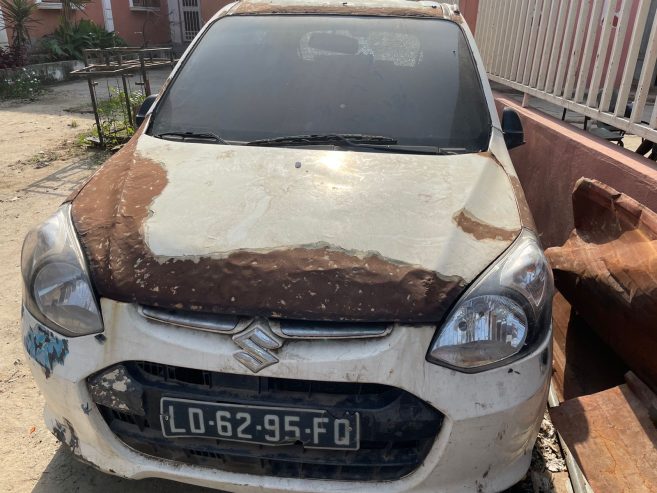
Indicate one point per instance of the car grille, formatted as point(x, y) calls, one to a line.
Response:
point(397, 429)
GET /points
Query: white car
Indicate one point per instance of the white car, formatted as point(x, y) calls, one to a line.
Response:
point(312, 269)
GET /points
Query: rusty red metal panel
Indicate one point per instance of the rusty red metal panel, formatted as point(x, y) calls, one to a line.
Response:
point(612, 438)
point(607, 270)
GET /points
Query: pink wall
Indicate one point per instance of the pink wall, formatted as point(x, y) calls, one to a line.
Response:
point(128, 24)
point(469, 10)
point(48, 19)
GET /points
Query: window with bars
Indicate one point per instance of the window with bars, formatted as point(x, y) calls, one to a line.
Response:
point(144, 4)
point(191, 19)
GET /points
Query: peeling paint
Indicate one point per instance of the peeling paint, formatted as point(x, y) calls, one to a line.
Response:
point(116, 389)
point(150, 239)
point(355, 237)
point(65, 433)
point(47, 349)
point(481, 230)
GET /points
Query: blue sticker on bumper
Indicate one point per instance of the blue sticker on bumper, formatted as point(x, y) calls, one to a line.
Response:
point(45, 347)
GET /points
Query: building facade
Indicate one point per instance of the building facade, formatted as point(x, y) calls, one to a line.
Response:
point(138, 22)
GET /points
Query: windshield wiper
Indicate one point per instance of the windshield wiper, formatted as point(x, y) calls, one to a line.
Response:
point(192, 136)
point(360, 141)
point(319, 139)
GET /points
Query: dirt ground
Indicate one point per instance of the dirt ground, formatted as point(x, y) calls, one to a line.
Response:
point(40, 163)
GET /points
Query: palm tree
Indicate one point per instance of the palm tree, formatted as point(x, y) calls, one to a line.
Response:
point(68, 6)
point(18, 18)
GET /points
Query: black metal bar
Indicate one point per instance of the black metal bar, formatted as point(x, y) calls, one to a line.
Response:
point(94, 105)
point(127, 99)
point(144, 76)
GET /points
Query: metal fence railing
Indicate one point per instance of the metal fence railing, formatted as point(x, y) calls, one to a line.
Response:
point(581, 55)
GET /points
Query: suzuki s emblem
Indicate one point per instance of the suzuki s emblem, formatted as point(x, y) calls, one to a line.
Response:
point(256, 341)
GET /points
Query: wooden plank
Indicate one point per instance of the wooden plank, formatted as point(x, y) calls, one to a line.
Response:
point(612, 438)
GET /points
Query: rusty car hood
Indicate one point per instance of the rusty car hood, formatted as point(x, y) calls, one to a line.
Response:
point(294, 233)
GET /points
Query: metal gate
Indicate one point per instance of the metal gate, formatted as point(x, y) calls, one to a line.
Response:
point(191, 19)
point(581, 55)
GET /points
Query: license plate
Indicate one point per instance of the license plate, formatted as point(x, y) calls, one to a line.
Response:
point(261, 425)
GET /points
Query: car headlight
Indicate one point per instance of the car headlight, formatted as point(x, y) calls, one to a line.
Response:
point(57, 289)
point(502, 316)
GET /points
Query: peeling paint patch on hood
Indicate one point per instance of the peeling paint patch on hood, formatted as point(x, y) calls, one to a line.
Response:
point(296, 233)
point(221, 199)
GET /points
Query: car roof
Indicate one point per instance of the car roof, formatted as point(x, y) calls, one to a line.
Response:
point(383, 8)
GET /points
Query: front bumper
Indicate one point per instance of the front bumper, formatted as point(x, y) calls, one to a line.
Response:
point(490, 419)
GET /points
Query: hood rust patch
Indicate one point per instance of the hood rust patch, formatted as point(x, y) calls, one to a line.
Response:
point(322, 283)
point(465, 220)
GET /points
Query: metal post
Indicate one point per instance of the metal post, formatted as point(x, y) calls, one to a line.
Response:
point(525, 100)
point(144, 77)
point(94, 105)
point(127, 99)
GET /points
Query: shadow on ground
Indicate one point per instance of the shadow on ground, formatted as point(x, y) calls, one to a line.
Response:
point(70, 177)
point(65, 474)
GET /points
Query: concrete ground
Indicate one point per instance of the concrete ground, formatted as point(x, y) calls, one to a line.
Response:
point(40, 163)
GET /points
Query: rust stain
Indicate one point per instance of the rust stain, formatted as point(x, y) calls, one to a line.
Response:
point(526, 217)
point(465, 220)
point(318, 283)
point(607, 270)
point(253, 8)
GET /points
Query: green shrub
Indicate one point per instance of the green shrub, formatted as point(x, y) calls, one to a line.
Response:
point(69, 40)
point(22, 84)
point(115, 125)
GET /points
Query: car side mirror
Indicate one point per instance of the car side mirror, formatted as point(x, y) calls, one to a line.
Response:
point(514, 136)
point(143, 109)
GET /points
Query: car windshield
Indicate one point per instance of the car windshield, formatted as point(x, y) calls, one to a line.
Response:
point(411, 81)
